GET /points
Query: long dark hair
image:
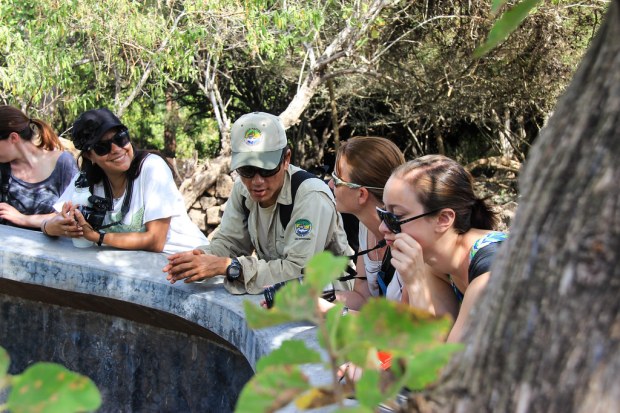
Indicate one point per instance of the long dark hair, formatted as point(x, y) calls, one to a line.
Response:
point(14, 120)
point(440, 182)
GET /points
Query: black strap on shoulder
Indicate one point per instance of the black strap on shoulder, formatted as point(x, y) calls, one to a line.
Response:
point(5, 171)
point(296, 180)
point(285, 210)
point(385, 275)
point(246, 211)
point(126, 202)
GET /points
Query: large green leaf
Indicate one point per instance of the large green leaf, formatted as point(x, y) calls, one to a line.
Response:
point(272, 388)
point(399, 328)
point(368, 389)
point(51, 388)
point(424, 368)
point(339, 330)
point(506, 25)
point(258, 317)
point(323, 269)
point(291, 352)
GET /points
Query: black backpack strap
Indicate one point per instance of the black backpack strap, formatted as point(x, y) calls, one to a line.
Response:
point(246, 211)
point(5, 172)
point(296, 180)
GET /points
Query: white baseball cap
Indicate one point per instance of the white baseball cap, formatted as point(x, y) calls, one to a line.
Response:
point(257, 139)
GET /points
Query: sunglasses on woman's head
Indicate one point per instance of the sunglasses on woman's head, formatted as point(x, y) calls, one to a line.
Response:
point(121, 139)
point(340, 182)
point(392, 221)
point(249, 171)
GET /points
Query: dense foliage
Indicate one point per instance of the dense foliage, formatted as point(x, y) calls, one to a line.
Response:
point(178, 71)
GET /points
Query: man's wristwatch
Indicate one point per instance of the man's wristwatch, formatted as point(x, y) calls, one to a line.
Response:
point(233, 271)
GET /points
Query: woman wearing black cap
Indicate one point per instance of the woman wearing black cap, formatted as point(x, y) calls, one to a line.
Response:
point(143, 208)
point(34, 169)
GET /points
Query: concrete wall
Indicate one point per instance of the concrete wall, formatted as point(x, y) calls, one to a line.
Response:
point(111, 314)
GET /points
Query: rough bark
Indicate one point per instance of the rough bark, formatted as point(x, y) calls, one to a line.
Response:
point(546, 336)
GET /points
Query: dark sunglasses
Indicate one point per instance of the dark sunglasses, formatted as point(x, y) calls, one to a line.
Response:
point(121, 139)
point(392, 221)
point(249, 171)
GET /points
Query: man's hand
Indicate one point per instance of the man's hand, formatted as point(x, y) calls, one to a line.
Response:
point(194, 266)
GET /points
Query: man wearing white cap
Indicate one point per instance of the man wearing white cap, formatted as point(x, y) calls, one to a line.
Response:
point(275, 210)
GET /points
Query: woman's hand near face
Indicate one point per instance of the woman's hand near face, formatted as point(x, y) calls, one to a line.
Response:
point(407, 259)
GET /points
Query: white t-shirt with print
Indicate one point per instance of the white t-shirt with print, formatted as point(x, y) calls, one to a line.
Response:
point(155, 196)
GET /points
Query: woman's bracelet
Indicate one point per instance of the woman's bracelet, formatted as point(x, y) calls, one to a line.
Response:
point(101, 235)
point(43, 228)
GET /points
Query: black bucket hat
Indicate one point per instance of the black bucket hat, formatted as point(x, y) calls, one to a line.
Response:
point(91, 125)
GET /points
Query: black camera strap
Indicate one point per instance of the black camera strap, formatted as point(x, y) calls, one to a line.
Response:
point(107, 189)
point(350, 271)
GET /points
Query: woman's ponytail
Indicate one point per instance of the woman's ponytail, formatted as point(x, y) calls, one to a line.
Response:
point(48, 139)
point(482, 216)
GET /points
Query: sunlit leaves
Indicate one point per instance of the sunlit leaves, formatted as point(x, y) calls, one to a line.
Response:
point(273, 388)
point(412, 339)
point(425, 366)
point(51, 388)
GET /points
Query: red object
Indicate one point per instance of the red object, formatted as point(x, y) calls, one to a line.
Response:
point(385, 358)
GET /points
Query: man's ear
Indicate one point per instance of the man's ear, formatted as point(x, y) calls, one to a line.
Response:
point(445, 219)
point(287, 157)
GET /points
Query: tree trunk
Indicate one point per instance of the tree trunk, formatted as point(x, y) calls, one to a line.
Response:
point(546, 336)
point(170, 126)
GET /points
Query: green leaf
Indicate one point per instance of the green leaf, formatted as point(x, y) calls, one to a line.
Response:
point(395, 327)
point(424, 368)
point(323, 269)
point(291, 352)
point(5, 362)
point(340, 330)
point(299, 300)
point(51, 388)
point(271, 389)
point(506, 25)
point(258, 317)
point(496, 4)
point(368, 389)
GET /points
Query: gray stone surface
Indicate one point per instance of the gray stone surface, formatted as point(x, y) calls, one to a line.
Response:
point(30, 258)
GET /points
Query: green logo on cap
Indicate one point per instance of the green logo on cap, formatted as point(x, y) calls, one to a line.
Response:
point(253, 136)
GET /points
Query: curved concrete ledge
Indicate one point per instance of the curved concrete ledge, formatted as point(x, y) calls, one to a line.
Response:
point(35, 267)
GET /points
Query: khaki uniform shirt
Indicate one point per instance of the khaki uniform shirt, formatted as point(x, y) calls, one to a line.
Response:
point(315, 226)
